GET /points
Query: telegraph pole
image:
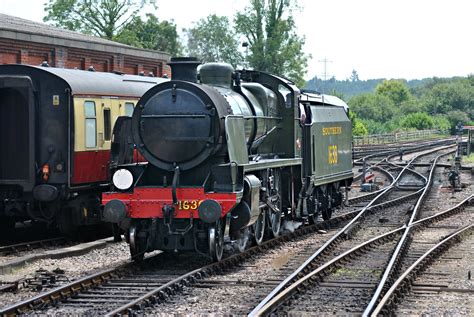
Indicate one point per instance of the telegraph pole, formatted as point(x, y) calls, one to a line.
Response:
point(325, 62)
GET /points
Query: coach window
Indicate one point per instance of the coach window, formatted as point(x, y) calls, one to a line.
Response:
point(129, 109)
point(107, 124)
point(91, 124)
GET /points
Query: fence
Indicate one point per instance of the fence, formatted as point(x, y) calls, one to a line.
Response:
point(396, 137)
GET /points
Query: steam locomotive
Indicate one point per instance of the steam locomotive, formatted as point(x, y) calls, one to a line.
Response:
point(231, 155)
point(55, 138)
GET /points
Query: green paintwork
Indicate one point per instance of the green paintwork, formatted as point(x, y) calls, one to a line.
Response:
point(235, 135)
point(332, 118)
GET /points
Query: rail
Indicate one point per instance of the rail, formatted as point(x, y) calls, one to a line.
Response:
point(387, 300)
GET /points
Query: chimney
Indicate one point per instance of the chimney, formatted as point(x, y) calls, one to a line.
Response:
point(184, 68)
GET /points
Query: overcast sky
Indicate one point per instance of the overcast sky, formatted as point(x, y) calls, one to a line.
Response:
point(378, 38)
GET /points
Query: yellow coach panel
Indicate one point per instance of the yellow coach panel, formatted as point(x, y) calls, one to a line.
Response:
point(94, 119)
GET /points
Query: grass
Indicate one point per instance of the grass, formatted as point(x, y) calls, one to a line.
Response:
point(469, 159)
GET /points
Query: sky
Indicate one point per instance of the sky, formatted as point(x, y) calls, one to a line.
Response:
point(409, 39)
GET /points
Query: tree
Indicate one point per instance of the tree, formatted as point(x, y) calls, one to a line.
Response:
point(213, 40)
point(372, 106)
point(354, 76)
point(395, 90)
point(358, 128)
point(275, 47)
point(419, 121)
point(151, 34)
point(103, 18)
point(457, 94)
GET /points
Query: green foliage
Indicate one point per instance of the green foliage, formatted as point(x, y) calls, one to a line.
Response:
point(441, 122)
point(436, 103)
point(374, 127)
point(151, 34)
point(347, 87)
point(354, 76)
point(457, 116)
point(373, 107)
point(395, 90)
point(418, 121)
point(275, 46)
point(213, 40)
point(103, 18)
point(358, 128)
point(456, 95)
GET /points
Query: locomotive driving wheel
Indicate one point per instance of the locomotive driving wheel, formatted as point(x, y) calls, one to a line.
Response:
point(275, 223)
point(137, 244)
point(216, 240)
point(258, 228)
point(274, 213)
point(242, 241)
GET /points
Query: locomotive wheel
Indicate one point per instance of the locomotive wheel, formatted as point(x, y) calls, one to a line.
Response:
point(216, 241)
point(137, 245)
point(258, 227)
point(313, 218)
point(242, 242)
point(327, 212)
point(274, 223)
point(274, 217)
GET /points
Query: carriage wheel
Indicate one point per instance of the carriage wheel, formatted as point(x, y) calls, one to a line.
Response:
point(216, 240)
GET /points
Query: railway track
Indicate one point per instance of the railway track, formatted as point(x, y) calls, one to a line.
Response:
point(152, 282)
point(352, 287)
point(428, 245)
point(30, 245)
point(158, 279)
point(353, 283)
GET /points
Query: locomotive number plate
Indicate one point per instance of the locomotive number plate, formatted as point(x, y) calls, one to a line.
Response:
point(332, 154)
point(189, 204)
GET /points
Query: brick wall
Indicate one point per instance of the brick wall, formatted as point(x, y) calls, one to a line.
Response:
point(31, 53)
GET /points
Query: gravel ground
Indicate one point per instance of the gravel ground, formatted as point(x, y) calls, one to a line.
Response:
point(240, 290)
point(249, 284)
point(73, 267)
point(441, 197)
point(13, 256)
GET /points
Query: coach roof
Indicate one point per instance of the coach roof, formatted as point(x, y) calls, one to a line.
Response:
point(92, 83)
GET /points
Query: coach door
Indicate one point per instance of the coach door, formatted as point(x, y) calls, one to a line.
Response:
point(17, 144)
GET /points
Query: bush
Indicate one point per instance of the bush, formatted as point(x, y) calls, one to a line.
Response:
point(418, 120)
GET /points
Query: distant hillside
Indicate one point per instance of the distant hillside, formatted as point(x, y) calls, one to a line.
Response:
point(349, 88)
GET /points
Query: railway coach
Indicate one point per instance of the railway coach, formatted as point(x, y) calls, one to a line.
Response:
point(55, 139)
point(230, 156)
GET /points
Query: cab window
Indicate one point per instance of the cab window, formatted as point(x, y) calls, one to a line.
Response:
point(91, 124)
point(129, 109)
